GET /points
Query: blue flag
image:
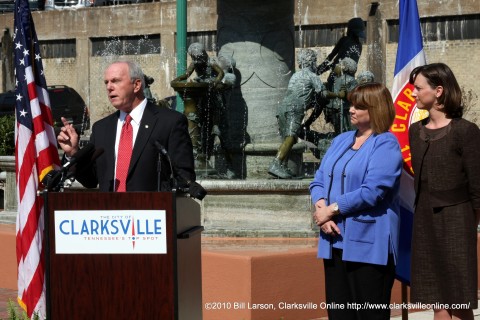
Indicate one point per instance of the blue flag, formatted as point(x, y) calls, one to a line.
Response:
point(410, 55)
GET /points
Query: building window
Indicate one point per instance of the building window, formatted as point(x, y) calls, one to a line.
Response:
point(442, 28)
point(318, 35)
point(50, 49)
point(126, 45)
point(207, 38)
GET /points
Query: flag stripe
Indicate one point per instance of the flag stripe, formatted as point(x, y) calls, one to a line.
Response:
point(410, 34)
point(402, 77)
point(36, 154)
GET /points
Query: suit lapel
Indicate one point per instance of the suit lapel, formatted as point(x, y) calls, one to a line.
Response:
point(145, 130)
point(110, 135)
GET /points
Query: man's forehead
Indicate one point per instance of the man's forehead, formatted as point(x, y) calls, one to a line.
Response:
point(116, 70)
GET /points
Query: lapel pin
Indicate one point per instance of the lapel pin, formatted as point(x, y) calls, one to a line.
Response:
point(146, 126)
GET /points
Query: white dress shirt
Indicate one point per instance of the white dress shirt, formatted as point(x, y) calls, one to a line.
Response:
point(136, 114)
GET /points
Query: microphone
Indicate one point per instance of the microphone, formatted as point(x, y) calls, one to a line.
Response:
point(164, 152)
point(161, 148)
point(81, 155)
point(69, 176)
point(55, 178)
point(194, 189)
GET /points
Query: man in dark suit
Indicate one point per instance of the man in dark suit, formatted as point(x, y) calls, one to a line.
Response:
point(124, 81)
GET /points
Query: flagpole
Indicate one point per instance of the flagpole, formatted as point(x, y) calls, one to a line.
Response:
point(410, 54)
point(46, 219)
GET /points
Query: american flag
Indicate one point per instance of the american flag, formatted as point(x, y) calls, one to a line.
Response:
point(35, 154)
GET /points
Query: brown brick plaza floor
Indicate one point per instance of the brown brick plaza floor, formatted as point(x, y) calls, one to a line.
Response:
point(213, 250)
point(8, 267)
point(5, 296)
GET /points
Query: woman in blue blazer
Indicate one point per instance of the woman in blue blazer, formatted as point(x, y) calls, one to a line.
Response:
point(355, 196)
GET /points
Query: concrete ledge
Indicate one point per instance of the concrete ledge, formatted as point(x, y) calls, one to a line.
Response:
point(240, 274)
point(261, 279)
point(8, 217)
point(257, 208)
point(282, 275)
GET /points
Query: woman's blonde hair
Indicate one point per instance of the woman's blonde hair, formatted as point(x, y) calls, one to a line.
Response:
point(375, 98)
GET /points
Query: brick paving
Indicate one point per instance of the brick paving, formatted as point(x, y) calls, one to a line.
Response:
point(5, 296)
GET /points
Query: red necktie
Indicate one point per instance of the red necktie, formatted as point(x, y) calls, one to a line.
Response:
point(124, 155)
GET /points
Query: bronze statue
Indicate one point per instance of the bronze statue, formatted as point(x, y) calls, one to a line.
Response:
point(202, 112)
point(206, 69)
point(365, 77)
point(220, 121)
point(349, 46)
point(334, 105)
point(337, 110)
point(299, 97)
point(7, 61)
point(146, 90)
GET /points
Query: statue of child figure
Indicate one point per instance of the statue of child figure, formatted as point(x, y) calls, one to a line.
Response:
point(220, 120)
point(300, 95)
point(208, 104)
point(365, 77)
point(337, 109)
point(206, 68)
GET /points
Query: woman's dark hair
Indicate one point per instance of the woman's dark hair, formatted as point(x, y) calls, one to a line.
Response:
point(375, 98)
point(439, 74)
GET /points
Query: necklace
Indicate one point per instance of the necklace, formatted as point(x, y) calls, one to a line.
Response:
point(360, 140)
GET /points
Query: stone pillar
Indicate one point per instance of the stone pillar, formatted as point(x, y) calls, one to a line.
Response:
point(9, 215)
point(83, 67)
point(376, 43)
point(8, 81)
point(259, 35)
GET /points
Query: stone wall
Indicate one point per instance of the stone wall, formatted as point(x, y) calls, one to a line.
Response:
point(84, 72)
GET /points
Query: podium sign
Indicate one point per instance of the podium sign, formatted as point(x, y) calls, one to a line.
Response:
point(110, 231)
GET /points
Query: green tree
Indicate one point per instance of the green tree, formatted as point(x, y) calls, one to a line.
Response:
point(7, 135)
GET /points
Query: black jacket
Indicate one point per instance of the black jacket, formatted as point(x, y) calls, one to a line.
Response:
point(160, 124)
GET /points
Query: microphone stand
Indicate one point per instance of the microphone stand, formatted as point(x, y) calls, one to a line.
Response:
point(159, 171)
point(194, 189)
point(162, 151)
point(54, 180)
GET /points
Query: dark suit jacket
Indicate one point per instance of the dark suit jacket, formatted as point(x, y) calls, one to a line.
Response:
point(168, 127)
point(454, 176)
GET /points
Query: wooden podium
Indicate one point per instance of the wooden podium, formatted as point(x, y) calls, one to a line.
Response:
point(127, 286)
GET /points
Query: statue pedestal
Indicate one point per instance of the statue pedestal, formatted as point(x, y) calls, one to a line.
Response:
point(257, 208)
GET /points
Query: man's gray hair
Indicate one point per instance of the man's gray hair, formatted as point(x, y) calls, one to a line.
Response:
point(134, 71)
